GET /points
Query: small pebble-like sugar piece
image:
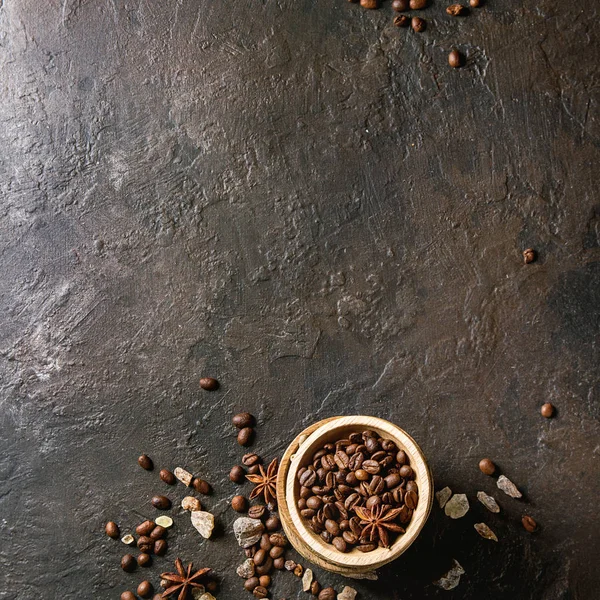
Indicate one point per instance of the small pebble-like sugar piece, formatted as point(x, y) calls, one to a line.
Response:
point(452, 578)
point(485, 532)
point(200, 594)
point(191, 503)
point(307, 580)
point(164, 521)
point(347, 593)
point(489, 502)
point(128, 539)
point(443, 496)
point(247, 531)
point(508, 487)
point(290, 565)
point(204, 522)
point(246, 569)
point(184, 476)
point(457, 506)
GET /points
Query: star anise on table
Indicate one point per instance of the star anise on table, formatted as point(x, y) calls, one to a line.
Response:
point(377, 522)
point(183, 581)
point(265, 484)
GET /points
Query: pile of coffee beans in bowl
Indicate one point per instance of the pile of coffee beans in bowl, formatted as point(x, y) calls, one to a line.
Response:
point(358, 492)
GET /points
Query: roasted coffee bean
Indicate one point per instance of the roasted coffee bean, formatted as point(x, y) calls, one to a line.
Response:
point(355, 526)
point(356, 461)
point(342, 460)
point(250, 459)
point(160, 547)
point(329, 447)
point(256, 512)
point(237, 474)
point(112, 530)
point(486, 466)
point(366, 547)
point(391, 481)
point(456, 10)
point(276, 552)
point(128, 596)
point(259, 557)
point(328, 537)
point(406, 472)
point(209, 383)
point(254, 470)
point(250, 552)
point(411, 499)
point(327, 594)
point(245, 436)
point(352, 501)
point(145, 544)
point(351, 479)
point(306, 492)
point(330, 511)
point(308, 513)
point(370, 466)
point(340, 544)
point(419, 25)
point(401, 457)
point(351, 449)
point(265, 542)
point(319, 489)
point(144, 559)
point(332, 526)
point(455, 59)
point(251, 583)
point(547, 410)
point(278, 539)
point(361, 475)
point(475, 3)
point(273, 523)
point(260, 592)
point(355, 438)
point(411, 486)
point(350, 537)
point(145, 589)
point(379, 456)
point(529, 523)
point(372, 445)
point(344, 525)
point(405, 514)
point(128, 563)
point(529, 256)
point(400, 5)
point(370, 4)
point(265, 580)
point(145, 462)
point(301, 504)
point(239, 504)
point(328, 462)
point(201, 486)
point(308, 478)
point(330, 480)
point(389, 446)
point(242, 420)
point(372, 502)
point(314, 502)
point(279, 563)
point(161, 502)
point(417, 4)
point(167, 477)
point(266, 567)
point(145, 528)
point(157, 533)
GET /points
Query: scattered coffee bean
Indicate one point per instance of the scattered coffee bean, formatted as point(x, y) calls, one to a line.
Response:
point(417, 4)
point(486, 466)
point(244, 419)
point(260, 592)
point(327, 594)
point(160, 547)
point(278, 539)
point(245, 436)
point(264, 580)
point(401, 21)
point(158, 533)
point(456, 10)
point(279, 563)
point(529, 255)
point(455, 59)
point(145, 589)
point(145, 462)
point(239, 503)
point(237, 474)
point(370, 4)
point(419, 25)
point(315, 588)
point(145, 528)
point(128, 563)
point(400, 5)
point(144, 559)
point(547, 410)
point(112, 530)
point(273, 523)
point(128, 596)
point(251, 459)
point(167, 476)
point(251, 583)
point(257, 511)
point(529, 523)
point(145, 544)
point(201, 486)
point(209, 383)
point(161, 502)
point(475, 3)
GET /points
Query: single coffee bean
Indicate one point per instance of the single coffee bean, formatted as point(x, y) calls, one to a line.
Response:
point(112, 530)
point(254, 470)
point(400, 5)
point(401, 457)
point(145, 528)
point(350, 538)
point(419, 25)
point(128, 563)
point(305, 493)
point(259, 557)
point(529, 256)
point(340, 544)
point(245, 435)
point(244, 419)
point(160, 547)
point(314, 502)
point(391, 481)
point(167, 477)
point(308, 478)
point(201, 486)
point(273, 523)
point(145, 589)
point(361, 475)
point(157, 533)
point(251, 459)
point(145, 544)
point(315, 588)
point(529, 523)
point(455, 59)
point(276, 552)
point(370, 4)
point(371, 466)
point(332, 526)
point(456, 10)
point(265, 542)
point(475, 3)
point(209, 383)
point(327, 594)
point(372, 502)
point(486, 466)
point(417, 4)
point(351, 479)
point(128, 596)
point(366, 547)
point(401, 21)
point(161, 502)
point(144, 559)
point(251, 583)
point(372, 445)
point(237, 474)
point(239, 503)
point(145, 462)
point(260, 592)
point(278, 539)
point(279, 563)
point(264, 580)
point(547, 410)
point(411, 499)
point(406, 472)
point(256, 512)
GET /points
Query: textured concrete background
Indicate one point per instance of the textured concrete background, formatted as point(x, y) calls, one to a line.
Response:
point(307, 203)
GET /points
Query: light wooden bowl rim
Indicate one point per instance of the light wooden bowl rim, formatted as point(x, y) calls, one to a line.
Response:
point(335, 429)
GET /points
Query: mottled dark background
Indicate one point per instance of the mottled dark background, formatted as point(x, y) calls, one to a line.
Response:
point(309, 204)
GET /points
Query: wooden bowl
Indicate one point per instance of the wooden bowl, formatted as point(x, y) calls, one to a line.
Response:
point(313, 547)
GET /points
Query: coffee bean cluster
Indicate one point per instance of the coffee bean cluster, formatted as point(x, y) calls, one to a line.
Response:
point(363, 470)
point(245, 423)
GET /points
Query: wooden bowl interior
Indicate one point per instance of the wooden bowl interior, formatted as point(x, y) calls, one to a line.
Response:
point(339, 429)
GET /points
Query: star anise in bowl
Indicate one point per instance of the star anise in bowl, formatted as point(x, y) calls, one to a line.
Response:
point(377, 522)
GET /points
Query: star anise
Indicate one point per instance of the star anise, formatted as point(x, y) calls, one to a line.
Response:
point(265, 484)
point(377, 522)
point(183, 581)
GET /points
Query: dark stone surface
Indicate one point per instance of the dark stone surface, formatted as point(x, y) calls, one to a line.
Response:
point(309, 204)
